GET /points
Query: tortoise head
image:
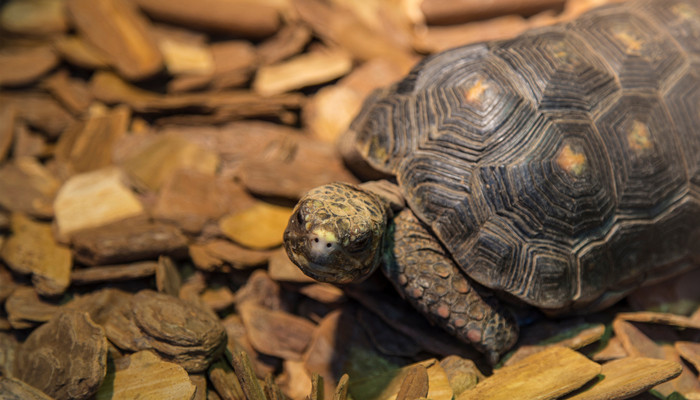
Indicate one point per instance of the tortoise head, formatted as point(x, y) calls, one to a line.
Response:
point(336, 233)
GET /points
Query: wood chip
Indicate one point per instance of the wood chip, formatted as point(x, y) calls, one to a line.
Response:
point(8, 349)
point(253, 19)
point(185, 56)
point(118, 29)
point(156, 162)
point(65, 358)
point(12, 388)
point(113, 273)
point(282, 269)
point(23, 65)
point(612, 351)
point(126, 241)
point(440, 12)
point(627, 377)
point(28, 187)
point(288, 41)
point(145, 375)
point(25, 309)
point(219, 299)
point(574, 338)
point(78, 51)
point(8, 114)
point(90, 147)
point(461, 373)
point(225, 381)
point(690, 351)
point(323, 292)
point(549, 374)
point(414, 384)
point(40, 111)
point(223, 255)
point(303, 70)
point(31, 249)
point(168, 279)
point(94, 199)
point(295, 380)
point(660, 318)
point(388, 384)
point(258, 227)
point(276, 333)
point(71, 92)
point(238, 341)
point(34, 17)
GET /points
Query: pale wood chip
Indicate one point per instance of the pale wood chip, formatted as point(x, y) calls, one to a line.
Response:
point(258, 227)
point(24, 65)
point(660, 318)
point(113, 273)
point(281, 268)
point(612, 351)
point(549, 374)
point(225, 381)
point(439, 12)
point(71, 92)
point(288, 41)
point(387, 385)
point(690, 351)
point(218, 299)
point(34, 17)
point(145, 375)
point(628, 377)
point(462, 373)
point(581, 338)
point(78, 51)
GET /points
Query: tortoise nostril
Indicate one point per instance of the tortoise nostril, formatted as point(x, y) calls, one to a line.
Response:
point(328, 245)
point(316, 240)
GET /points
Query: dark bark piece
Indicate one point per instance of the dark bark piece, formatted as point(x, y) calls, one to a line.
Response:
point(25, 309)
point(118, 29)
point(128, 241)
point(65, 358)
point(225, 381)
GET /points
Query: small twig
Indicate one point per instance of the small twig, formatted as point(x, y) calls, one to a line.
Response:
point(316, 387)
point(246, 376)
point(272, 390)
point(341, 391)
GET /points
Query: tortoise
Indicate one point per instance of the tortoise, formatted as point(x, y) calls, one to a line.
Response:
point(559, 169)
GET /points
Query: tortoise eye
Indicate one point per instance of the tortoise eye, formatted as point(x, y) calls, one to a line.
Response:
point(359, 244)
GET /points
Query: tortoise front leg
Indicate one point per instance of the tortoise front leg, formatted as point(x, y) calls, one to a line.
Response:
point(427, 277)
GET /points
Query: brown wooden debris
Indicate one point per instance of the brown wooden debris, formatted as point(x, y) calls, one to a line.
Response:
point(23, 65)
point(388, 384)
point(90, 145)
point(25, 309)
point(7, 283)
point(234, 62)
point(102, 305)
point(30, 144)
point(301, 71)
point(276, 333)
point(294, 168)
point(272, 390)
point(341, 391)
point(238, 340)
point(144, 375)
point(282, 269)
point(191, 198)
point(33, 17)
point(65, 358)
point(8, 351)
point(660, 318)
point(443, 12)
point(28, 187)
point(39, 110)
point(184, 52)
point(323, 293)
point(15, 389)
point(128, 240)
point(612, 351)
point(218, 299)
point(113, 273)
point(627, 377)
point(77, 51)
point(288, 41)
point(246, 377)
point(31, 249)
point(225, 381)
point(415, 384)
point(261, 290)
point(258, 227)
point(223, 255)
point(200, 383)
point(581, 338)
point(8, 114)
point(317, 392)
point(461, 373)
point(253, 19)
point(690, 351)
point(548, 374)
point(117, 28)
point(294, 380)
point(168, 279)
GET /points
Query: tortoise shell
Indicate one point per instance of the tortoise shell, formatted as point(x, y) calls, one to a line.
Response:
point(560, 167)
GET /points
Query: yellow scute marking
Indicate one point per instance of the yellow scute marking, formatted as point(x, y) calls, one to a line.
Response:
point(571, 161)
point(638, 137)
point(632, 43)
point(476, 91)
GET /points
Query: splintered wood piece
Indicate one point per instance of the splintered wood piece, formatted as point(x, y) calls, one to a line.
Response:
point(223, 255)
point(64, 358)
point(90, 147)
point(191, 198)
point(415, 384)
point(102, 304)
point(226, 105)
point(627, 377)
point(461, 373)
point(301, 71)
point(388, 384)
point(281, 268)
point(72, 93)
point(288, 41)
point(294, 168)
point(156, 162)
point(225, 381)
point(276, 333)
point(548, 374)
point(574, 338)
point(128, 240)
point(94, 199)
point(32, 249)
point(254, 19)
point(36, 17)
point(113, 273)
point(118, 29)
point(28, 187)
point(23, 65)
point(660, 318)
point(246, 376)
point(77, 51)
point(258, 227)
point(12, 388)
point(40, 111)
point(441, 12)
point(168, 279)
point(690, 351)
point(144, 375)
point(25, 309)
